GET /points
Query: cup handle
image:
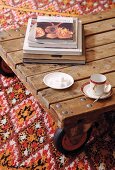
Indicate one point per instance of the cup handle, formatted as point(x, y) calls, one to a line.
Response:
point(107, 88)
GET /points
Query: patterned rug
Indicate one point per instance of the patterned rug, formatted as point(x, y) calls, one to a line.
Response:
point(26, 130)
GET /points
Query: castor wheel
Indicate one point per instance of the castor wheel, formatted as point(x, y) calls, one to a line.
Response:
point(63, 144)
point(5, 69)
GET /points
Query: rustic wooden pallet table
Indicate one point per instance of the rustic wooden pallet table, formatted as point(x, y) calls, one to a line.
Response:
point(67, 107)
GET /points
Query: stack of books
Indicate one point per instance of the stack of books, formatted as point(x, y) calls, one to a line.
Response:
point(52, 39)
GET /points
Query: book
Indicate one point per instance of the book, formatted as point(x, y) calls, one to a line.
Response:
point(64, 44)
point(56, 29)
point(52, 50)
point(47, 61)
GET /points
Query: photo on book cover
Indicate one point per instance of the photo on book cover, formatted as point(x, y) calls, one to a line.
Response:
point(33, 42)
point(54, 28)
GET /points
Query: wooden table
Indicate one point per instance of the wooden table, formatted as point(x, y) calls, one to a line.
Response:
point(67, 106)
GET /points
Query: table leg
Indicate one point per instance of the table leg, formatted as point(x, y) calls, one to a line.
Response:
point(5, 69)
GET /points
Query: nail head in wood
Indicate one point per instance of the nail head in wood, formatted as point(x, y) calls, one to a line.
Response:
point(64, 112)
point(58, 105)
point(82, 99)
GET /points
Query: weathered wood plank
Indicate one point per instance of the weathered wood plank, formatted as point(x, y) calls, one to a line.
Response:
point(30, 69)
point(16, 57)
point(12, 45)
point(100, 52)
point(75, 107)
point(97, 16)
point(17, 33)
point(4, 36)
point(98, 27)
point(34, 69)
point(10, 34)
point(50, 96)
point(100, 39)
point(77, 72)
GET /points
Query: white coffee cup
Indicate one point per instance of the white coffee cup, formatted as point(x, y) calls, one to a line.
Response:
point(98, 84)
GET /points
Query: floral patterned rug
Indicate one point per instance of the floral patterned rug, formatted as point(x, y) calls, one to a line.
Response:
point(26, 130)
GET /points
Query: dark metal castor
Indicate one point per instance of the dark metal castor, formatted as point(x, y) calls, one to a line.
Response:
point(5, 69)
point(63, 144)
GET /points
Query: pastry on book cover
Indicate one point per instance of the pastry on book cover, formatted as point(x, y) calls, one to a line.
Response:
point(54, 28)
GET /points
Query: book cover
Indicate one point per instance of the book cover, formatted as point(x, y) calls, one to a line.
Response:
point(35, 43)
point(64, 44)
point(54, 28)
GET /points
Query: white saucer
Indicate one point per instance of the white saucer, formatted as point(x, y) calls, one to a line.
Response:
point(58, 80)
point(86, 90)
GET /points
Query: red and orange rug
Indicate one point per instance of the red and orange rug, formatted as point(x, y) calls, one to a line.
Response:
point(26, 130)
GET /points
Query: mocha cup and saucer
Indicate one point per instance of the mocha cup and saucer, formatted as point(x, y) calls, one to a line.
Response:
point(97, 87)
